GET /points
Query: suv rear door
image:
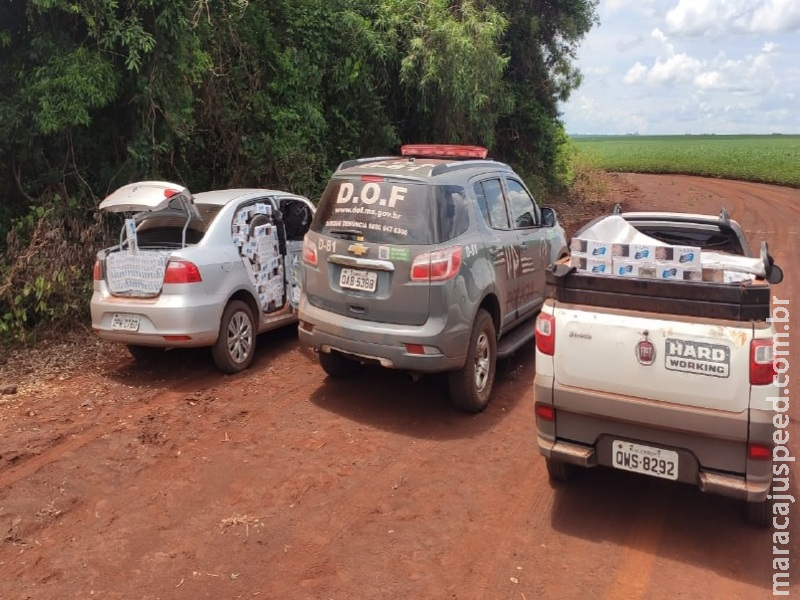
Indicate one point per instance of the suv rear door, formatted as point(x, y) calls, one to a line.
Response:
point(367, 231)
point(501, 243)
point(533, 247)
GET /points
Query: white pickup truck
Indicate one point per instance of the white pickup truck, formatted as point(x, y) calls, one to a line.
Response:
point(666, 378)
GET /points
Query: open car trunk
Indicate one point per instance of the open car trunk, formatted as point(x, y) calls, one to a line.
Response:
point(164, 218)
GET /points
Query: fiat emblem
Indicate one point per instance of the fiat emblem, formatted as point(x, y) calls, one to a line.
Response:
point(646, 352)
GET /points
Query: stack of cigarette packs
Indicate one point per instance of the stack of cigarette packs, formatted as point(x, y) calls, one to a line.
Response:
point(648, 261)
point(258, 246)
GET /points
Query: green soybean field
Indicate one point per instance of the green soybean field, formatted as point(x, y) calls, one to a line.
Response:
point(760, 158)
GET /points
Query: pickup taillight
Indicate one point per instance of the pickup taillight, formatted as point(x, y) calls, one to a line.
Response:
point(546, 334)
point(762, 369)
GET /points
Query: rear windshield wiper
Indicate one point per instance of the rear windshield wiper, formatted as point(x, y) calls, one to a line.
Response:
point(348, 234)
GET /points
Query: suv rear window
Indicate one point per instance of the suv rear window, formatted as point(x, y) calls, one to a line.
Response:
point(391, 212)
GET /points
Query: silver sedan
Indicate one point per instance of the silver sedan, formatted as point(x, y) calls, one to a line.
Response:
point(212, 269)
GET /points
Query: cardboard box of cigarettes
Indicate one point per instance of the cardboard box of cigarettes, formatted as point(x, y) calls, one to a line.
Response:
point(592, 248)
point(589, 264)
point(634, 268)
point(681, 255)
point(631, 252)
point(672, 271)
point(715, 273)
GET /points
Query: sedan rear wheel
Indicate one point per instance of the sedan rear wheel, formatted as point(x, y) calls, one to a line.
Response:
point(233, 351)
point(145, 353)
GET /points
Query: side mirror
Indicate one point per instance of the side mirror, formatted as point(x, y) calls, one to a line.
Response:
point(775, 274)
point(773, 271)
point(549, 217)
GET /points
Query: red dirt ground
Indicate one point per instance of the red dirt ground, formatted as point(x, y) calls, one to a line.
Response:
point(174, 481)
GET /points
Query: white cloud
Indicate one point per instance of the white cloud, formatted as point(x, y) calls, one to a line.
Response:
point(636, 74)
point(679, 68)
point(716, 18)
point(776, 16)
point(654, 70)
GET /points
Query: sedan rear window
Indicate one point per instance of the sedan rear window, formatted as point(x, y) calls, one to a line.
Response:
point(391, 212)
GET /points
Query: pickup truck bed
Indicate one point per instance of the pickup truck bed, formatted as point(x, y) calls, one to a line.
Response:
point(661, 378)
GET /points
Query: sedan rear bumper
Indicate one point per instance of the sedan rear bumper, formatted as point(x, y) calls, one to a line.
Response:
point(172, 321)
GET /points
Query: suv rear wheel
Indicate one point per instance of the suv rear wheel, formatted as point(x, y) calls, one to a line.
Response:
point(471, 386)
point(336, 365)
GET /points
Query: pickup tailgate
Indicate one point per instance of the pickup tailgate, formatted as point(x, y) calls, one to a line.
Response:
point(685, 362)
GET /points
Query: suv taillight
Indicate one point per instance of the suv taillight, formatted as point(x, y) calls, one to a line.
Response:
point(762, 370)
point(182, 271)
point(546, 334)
point(309, 252)
point(97, 272)
point(437, 266)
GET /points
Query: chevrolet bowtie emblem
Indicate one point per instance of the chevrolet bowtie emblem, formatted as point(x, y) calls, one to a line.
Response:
point(358, 249)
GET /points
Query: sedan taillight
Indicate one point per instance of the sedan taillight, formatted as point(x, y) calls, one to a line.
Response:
point(182, 271)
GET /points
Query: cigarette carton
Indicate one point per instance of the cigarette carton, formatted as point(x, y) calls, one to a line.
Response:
point(591, 248)
point(634, 268)
point(680, 255)
point(588, 264)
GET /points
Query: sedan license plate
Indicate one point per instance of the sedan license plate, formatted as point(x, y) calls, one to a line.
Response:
point(645, 459)
point(355, 279)
point(125, 322)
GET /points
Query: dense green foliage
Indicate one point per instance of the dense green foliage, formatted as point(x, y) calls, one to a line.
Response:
point(269, 93)
point(759, 158)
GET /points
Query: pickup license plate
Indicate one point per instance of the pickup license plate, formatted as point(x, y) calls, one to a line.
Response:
point(645, 459)
point(125, 322)
point(355, 279)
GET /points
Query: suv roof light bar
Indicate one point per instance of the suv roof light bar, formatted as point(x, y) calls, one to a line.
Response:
point(443, 151)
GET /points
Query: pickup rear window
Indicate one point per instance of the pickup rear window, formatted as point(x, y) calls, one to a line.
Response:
point(391, 212)
point(706, 236)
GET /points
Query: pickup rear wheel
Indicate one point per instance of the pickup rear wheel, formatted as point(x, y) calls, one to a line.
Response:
point(336, 365)
point(471, 386)
point(760, 513)
point(233, 351)
point(558, 470)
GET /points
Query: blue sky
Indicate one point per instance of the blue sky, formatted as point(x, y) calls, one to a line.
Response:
point(689, 66)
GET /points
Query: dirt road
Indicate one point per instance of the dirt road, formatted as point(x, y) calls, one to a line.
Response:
point(176, 482)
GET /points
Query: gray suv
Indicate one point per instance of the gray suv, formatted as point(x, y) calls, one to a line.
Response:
point(430, 262)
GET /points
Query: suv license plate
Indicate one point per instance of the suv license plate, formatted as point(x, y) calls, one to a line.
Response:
point(354, 279)
point(125, 322)
point(645, 459)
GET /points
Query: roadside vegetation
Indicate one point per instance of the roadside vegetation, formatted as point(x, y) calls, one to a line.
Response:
point(249, 93)
point(759, 158)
